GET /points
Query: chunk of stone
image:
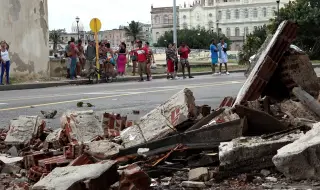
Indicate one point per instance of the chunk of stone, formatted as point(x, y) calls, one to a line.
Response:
point(300, 159)
point(81, 126)
point(199, 174)
point(162, 120)
point(297, 110)
point(24, 129)
point(101, 175)
point(103, 149)
point(193, 184)
point(271, 179)
point(250, 153)
point(265, 172)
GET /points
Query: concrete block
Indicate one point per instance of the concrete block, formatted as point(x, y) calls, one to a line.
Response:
point(297, 110)
point(160, 122)
point(199, 174)
point(193, 184)
point(300, 159)
point(81, 126)
point(23, 129)
point(72, 177)
point(250, 153)
point(103, 149)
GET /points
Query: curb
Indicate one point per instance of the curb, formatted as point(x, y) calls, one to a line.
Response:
point(85, 81)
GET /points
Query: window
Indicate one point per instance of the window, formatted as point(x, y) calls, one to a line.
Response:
point(228, 32)
point(264, 12)
point(255, 13)
point(228, 14)
point(165, 19)
point(273, 11)
point(157, 36)
point(245, 13)
point(237, 32)
point(210, 24)
point(185, 25)
point(210, 15)
point(246, 31)
point(157, 19)
point(184, 17)
point(198, 16)
point(237, 47)
point(210, 3)
point(219, 15)
point(236, 14)
point(170, 19)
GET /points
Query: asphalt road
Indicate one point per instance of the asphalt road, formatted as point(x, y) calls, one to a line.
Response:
point(115, 97)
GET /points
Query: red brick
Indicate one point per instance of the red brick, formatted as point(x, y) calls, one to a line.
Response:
point(84, 159)
point(35, 173)
point(72, 151)
point(134, 178)
point(112, 124)
point(32, 160)
point(50, 163)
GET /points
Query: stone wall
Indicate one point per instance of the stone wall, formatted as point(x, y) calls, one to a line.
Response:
point(24, 26)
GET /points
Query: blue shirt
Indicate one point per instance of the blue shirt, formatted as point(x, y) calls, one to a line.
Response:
point(214, 52)
point(222, 54)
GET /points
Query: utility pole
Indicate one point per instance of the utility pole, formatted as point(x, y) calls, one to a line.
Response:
point(175, 22)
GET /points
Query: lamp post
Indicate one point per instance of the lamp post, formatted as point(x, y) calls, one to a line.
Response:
point(278, 15)
point(77, 20)
point(174, 22)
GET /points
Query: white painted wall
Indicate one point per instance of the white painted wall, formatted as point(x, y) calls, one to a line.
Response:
point(24, 26)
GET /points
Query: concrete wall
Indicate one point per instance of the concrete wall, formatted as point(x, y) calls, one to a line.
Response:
point(24, 25)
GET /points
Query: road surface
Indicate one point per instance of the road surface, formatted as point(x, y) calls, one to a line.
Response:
point(115, 97)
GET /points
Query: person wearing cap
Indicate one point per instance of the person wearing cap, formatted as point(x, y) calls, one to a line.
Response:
point(184, 52)
point(142, 58)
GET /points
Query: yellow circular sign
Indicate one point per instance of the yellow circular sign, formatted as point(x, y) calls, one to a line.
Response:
point(95, 25)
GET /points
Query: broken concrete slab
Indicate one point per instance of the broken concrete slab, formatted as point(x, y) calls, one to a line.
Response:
point(162, 120)
point(307, 100)
point(81, 126)
point(250, 153)
point(297, 110)
point(193, 184)
point(103, 149)
point(300, 160)
point(199, 174)
point(24, 129)
point(90, 176)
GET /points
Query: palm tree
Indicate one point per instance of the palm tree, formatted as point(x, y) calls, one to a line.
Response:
point(134, 30)
point(55, 37)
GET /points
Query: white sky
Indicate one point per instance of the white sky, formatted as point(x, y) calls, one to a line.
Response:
point(112, 13)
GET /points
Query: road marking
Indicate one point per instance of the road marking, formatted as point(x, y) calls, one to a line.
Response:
point(109, 92)
point(113, 96)
point(3, 103)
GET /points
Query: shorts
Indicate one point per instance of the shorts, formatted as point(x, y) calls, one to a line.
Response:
point(184, 62)
point(214, 60)
point(142, 67)
point(133, 58)
point(224, 60)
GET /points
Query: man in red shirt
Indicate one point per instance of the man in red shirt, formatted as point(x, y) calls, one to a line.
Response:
point(74, 55)
point(184, 51)
point(142, 58)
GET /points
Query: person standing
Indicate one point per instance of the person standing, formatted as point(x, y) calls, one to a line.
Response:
point(176, 60)
point(74, 56)
point(82, 58)
point(142, 56)
point(5, 63)
point(170, 55)
point(67, 58)
point(150, 59)
point(109, 62)
point(214, 56)
point(133, 58)
point(184, 52)
point(122, 59)
point(223, 56)
point(91, 53)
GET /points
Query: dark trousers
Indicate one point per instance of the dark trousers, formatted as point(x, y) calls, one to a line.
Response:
point(5, 67)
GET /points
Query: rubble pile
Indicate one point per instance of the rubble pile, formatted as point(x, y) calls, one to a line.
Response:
point(264, 138)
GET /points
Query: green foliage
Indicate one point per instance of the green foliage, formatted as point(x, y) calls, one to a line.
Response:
point(252, 44)
point(196, 39)
point(306, 13)
point(134, 30)
point(55, 37)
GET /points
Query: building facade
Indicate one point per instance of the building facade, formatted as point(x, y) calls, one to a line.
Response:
point(233, 18)
point(162, 21)
point(24, 26)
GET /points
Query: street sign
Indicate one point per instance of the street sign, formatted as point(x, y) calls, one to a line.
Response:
point(95, 25)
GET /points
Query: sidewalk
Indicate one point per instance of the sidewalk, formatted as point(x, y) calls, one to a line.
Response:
point(37, 85)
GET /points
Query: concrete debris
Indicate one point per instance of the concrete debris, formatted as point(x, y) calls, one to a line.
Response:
point(297, 110)
point(81, 126)
point(74, 177)
point(103, 149)
point(161, 121)
point(299, 159)
point(265, 172)
point(199, 174)
point(24, 129)
point(193, 184)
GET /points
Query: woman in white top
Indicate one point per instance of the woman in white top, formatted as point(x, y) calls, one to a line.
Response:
point(5, 62)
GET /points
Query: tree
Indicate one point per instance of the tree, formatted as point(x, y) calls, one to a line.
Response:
point(195, 38)
point(55, 37)
point(134, 30)
point(306, 13)
point(252, 44)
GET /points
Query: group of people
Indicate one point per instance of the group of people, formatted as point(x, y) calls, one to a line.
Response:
point(173, 61)
point(219, 55)
point(4, 62)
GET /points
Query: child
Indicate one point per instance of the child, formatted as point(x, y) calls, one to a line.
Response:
point(5, 63)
